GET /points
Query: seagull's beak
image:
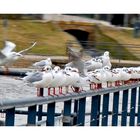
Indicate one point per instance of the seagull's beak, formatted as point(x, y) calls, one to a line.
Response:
point(19, 55)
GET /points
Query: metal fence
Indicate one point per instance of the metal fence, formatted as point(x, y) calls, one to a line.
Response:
point(114, 106)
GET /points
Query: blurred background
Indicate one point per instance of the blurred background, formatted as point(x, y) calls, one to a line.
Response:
point(92, 33)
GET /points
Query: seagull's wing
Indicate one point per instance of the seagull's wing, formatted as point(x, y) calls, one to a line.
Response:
point(74, 54)
point(9, 46)
point(40, 63)
point(2, 56)
point(25, 50)
point(37, 76)
point(89, 62)
point(76, 60)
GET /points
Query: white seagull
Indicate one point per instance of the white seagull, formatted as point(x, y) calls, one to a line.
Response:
point(57, 80)
point(43, 63)
point(40, 79)
point(8, 56)
point(97, 78)
point(105, 59)
point(93, 64)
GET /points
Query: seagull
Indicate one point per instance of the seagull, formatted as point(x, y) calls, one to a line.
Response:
point(93, 64)
point(105, 59)
point(56, 82)
point(97, 78)
point(125, 75)
point(40, 79)
point(109, 75)
point(80, 83)
point(8, 56)
point(68, 77)
point(76, 61)
point(116, 76)
point(43, 63)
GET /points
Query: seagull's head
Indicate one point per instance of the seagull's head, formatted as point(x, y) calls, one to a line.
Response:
point(15, 55)
point(47, 69)
point(56, 69)
point(106, 53)
point(106, 68)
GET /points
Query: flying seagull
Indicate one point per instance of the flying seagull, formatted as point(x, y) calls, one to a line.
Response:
point(76, 60)
point(8, 56)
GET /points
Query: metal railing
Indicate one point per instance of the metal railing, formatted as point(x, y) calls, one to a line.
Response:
point(109, 106)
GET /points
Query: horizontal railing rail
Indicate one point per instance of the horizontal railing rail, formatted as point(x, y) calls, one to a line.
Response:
point(26, 102)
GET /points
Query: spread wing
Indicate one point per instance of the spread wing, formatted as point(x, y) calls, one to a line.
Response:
point(9, 46)
point(76, 60)
point(74, 54)
point(25, 50)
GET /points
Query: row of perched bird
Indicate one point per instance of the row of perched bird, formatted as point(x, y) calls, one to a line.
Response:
point(97, 74)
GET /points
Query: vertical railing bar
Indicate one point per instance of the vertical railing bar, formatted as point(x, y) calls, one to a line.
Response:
point(133, 107)
point(50, 114)
point(105, 110)
point(99, 108)
point(10, 117)
point(40, 107)
point(67, 113)
point(31, 115)
point(124, 108)
point(138, 117)
point(95, 110)
point(75, 112)
point(115, 109)
point(81, 112)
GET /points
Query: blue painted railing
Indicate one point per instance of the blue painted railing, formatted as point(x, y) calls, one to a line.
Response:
point(115, 106)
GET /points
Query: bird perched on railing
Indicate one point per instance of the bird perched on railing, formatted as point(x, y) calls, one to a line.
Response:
point(43, 63)
point(93, 64)
point(8, 56)
point(98, 62)
point(40, 79)
point(105, 59)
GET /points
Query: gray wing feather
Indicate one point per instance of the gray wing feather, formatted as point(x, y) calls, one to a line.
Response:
point(76, 60)
point(37, 76)
point(40, 64)
point(2, 56)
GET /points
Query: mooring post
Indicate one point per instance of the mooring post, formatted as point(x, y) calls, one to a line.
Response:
point(115, 108)
point(95, 111)
point(10, 117)
point(67, 113)
point(133, 106)
point(81, 112)
point(105, 109)
point(31, 115)
point(50, 114)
